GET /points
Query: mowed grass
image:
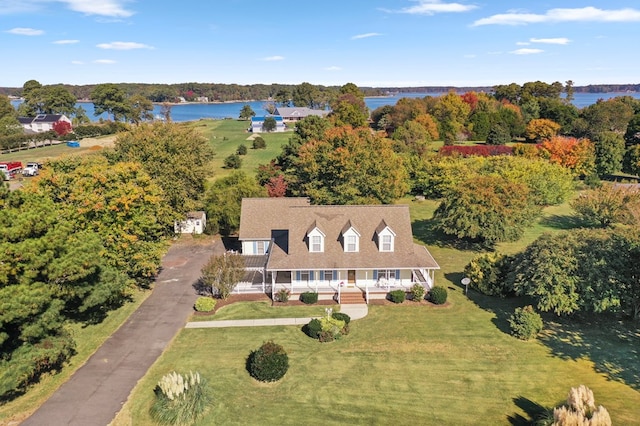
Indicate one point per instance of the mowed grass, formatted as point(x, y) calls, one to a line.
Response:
point(257, 310)
point(88, 339)
point(226, 135)
point(407, 364)
point(43, 154)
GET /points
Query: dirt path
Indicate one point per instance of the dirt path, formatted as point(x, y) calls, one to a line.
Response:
point(97, 391)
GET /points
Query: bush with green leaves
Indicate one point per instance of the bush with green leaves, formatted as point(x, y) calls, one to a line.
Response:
point(488, 274)
point(268, 363)
point(525, 323)
point(233, 162)
point(180, 399)
point(342, 317)
point(309, 297)
point(313, 328)
point(417, 292)
point(438, 295)
point(259, 143)
point(397, 296)
point(242, 149)
point(205, 304)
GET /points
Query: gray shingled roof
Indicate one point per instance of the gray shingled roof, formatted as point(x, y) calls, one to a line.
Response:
point(293, 217)
point(300, 112)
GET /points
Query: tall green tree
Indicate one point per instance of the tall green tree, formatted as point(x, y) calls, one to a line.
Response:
point(490, 209)
point(111, 99)
point(175, 156)
point(246, 112)
point(452, 113)
point(609, 152)
point(51, 272)
point(348, 166)
point(223, 200)
point(119, 202)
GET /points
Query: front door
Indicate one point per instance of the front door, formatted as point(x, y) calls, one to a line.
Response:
point(351, 277)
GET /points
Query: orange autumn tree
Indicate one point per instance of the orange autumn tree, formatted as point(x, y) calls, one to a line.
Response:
point(578, 155)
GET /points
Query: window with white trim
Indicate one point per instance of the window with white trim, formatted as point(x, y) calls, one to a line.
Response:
point(315, 244)
point(386, 243)
point(327, 275)
point(386, 274)
point(351, 244)
point(260, 247)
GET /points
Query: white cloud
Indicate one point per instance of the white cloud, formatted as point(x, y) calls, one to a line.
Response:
point(66, 41)
point(104, 61)
point(522, 43)
point(25, 31)
point(366, 35)
point(273, 58)
point(559, 40)
point(584, 14)
point(431, 7)
point(526, 51)
point(333, 68)
point(113, 8)
point(123, 45)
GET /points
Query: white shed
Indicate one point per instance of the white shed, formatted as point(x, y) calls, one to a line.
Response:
point(195, 223)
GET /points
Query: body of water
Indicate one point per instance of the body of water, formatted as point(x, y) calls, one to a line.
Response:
point(191, 112)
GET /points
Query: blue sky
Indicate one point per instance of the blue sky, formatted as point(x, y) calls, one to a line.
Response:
point(367, 42)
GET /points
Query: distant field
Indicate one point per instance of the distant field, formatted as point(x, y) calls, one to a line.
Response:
point(43, 154)
point(226, 135)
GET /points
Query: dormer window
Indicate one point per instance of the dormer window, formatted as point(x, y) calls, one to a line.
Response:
point(316, 240)
point(350, 238)
point(386, 237)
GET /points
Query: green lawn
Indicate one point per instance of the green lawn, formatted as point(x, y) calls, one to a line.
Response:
point(88, 339)
point(408, 364)
point(42, 154)
point(225, 137)
point(257, 310)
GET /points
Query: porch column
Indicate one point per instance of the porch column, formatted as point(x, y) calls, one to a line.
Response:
point(273, 283)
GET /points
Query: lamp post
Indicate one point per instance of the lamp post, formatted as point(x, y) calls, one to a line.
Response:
point(465, 281)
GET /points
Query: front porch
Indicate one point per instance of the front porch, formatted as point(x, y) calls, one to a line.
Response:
point(332, 285)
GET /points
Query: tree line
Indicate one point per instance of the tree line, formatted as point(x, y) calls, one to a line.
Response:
point(76, 241)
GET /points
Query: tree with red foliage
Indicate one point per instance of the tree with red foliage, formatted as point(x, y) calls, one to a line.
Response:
point(471, 99)
point(276, 186)
point(577, 155)
point(62, 127)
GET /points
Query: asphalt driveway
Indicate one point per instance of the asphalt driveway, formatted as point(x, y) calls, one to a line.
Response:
point(97, 391)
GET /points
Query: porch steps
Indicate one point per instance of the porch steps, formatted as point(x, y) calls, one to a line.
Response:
point(352, 298)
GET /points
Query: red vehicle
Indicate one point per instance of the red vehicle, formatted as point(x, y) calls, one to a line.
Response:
point(10, 169)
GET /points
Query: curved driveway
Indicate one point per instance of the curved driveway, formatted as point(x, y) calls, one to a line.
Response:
point(97, 390)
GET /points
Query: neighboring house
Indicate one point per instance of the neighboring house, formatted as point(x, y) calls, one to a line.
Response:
point(195, 223)
point(257, 124)
point(298, 113)
point(288, 243)
point(41, 122)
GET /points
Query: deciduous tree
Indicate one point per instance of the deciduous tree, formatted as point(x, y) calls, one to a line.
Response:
point(246, 112)
point(222, 273)
point(486, 208)
point(348, 166)
point(175, 156)
point(223, 200)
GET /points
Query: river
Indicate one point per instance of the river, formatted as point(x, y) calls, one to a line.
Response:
point(193, 111)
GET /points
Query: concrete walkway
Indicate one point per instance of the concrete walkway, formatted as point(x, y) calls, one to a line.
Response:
point(354, 311)
point(96, 391)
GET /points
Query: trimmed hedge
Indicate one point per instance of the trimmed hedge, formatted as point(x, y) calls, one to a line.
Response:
point(397, 296)
point(341, 317)
point(476, 150)
point(438, 295)
point(205, 304)
point(313, 329)
point(269, 363)
point(309, 297)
